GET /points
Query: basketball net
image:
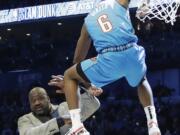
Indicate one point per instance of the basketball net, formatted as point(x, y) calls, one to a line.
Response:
point(161, 9)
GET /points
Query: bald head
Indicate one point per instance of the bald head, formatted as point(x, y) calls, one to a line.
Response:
point(37, 90)
point(39, 101)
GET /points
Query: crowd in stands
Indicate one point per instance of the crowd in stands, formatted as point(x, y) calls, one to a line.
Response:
point(126, 118)
point(34, 51)
point(159, 40)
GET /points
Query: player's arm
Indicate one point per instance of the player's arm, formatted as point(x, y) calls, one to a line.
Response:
point(83, 46)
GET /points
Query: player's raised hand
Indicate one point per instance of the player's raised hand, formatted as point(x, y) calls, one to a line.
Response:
point(142, 10)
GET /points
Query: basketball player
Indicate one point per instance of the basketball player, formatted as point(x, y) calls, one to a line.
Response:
point(109, 27)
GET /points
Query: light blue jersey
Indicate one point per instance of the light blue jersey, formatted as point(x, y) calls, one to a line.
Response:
point(109, 25)
point(119, 55)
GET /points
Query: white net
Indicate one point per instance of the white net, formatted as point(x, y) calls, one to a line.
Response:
point(161, 9)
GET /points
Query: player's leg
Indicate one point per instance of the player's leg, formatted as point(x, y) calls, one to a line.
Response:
point(89, 71)
point(146, 98)
point(136, 59)
point(95, 71)
point(145, 93)
point(71, 80)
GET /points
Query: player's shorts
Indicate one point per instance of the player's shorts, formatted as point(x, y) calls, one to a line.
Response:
point(111, 66)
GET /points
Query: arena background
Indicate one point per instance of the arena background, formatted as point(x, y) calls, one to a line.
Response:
point(31, 50)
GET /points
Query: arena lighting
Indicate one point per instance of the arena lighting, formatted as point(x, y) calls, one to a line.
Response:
point(0, 37)
point(138, 27)
point(9, 29)
point(59, 23)
point(28, 34)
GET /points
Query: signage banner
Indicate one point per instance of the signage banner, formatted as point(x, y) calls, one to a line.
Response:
point(47, 11)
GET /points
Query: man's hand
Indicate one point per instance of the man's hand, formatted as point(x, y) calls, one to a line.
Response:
point(57, 81)
point(95, 91)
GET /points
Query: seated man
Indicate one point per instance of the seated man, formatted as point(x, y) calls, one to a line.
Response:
point(49, 119)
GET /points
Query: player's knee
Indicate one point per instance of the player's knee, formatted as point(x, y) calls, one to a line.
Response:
point(144, 85)
point(142, 81)
point(70, 73)
point(67, 73)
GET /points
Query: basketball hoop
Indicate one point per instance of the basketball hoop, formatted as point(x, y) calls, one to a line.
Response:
point(161, 9)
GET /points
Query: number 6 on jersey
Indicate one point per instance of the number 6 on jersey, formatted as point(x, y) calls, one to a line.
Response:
point(104, 23)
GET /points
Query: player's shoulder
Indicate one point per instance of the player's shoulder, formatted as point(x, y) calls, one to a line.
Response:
point(100, 7)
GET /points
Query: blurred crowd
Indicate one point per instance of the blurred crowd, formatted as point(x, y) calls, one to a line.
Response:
point(161, 42)
point(127, 117)
point(35, 52)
